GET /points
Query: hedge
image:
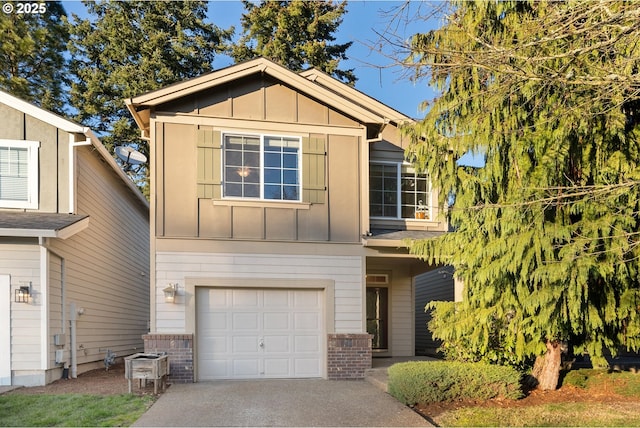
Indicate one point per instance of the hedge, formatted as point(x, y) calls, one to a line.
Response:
point(435, 381)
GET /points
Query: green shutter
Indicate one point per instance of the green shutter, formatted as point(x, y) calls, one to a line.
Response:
point(209, 164)
point(313, 169)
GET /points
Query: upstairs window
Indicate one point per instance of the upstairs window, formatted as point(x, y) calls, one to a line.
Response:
point(261, 167)
point(396, 191)
point(19, 174)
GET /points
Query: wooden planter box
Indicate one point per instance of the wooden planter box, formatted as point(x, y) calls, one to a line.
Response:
point(147, 367)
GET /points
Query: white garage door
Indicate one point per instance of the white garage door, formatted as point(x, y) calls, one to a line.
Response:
point(268, 333)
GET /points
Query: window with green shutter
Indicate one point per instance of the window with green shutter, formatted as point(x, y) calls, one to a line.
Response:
point(261, 167)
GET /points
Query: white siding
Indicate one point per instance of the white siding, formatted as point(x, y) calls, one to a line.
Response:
point(174, 267)
point(22, 262)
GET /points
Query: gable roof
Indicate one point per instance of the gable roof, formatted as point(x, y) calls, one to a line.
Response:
point(72, 128)
point(313, 83)
point(356, 96)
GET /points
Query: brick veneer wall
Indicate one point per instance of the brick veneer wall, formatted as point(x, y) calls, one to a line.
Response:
point(179, 347)
point(348, 355)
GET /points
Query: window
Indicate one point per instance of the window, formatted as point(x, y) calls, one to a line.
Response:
point(397, 191)
point(262, 167)
point(19, 174)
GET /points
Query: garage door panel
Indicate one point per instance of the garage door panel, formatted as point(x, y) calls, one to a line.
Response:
point(306, 344)
point(247, 368)
point(306, 321)
point(276, 321)
point(277, 367)
point(259, 333)
point(245, 299)
point(276, 299)
point(304, 299)
point(277, 344)
point(243, 321)
point(244, 344)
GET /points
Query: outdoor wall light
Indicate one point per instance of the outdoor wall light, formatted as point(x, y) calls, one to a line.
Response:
point(170, 292)
point(23, 294)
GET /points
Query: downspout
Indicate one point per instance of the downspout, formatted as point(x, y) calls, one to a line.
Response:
point(44, 304)
point(72, 164)
point(72, 331)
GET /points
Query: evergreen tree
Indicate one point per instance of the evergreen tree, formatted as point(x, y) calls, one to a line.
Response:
point(128, 48)
point(32, 47)
point(295, 34)
point(547, 232)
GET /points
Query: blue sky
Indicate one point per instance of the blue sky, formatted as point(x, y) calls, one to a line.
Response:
point(364, 16)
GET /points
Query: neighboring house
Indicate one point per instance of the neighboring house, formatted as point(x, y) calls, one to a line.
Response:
point(280, 203)
point(74, 249)
point(437, 284)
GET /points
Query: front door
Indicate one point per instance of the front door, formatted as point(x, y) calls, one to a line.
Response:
point(377, 316)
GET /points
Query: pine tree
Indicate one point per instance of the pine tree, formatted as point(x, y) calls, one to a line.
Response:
point(296, 34)
point(32, 47)
point(128, 48)
point(546, 233)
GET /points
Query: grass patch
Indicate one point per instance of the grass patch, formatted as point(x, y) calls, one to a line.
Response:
point(548, 415)
point(72, 410)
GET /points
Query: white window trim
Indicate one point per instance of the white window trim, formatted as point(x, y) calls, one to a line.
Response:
point(398, 216)
point(224, 134)
point(32, 186)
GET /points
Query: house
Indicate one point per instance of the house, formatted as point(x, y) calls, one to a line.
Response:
point(280, 203)
point(74, 249)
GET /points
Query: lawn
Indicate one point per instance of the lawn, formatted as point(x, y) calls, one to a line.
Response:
point(587, 398)
point(548, 415)
point(72, 409)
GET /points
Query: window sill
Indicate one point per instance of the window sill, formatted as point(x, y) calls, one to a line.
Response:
point(261, 204)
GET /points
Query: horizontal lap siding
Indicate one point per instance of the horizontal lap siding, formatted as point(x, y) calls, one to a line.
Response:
point(107, 264)
point(346, 271)
point(22, 263)
point(402, 322)
point(433, 285)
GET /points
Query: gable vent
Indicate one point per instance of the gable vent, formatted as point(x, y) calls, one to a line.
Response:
point(377, 279)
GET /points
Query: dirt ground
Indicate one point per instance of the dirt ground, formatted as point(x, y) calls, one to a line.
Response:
point(99, 381)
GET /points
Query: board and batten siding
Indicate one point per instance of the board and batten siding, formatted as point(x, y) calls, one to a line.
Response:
point(107, 264)
point(174, 267)
point(437, 285)
point(53, 155)
point(191, 203)
point(21, 260)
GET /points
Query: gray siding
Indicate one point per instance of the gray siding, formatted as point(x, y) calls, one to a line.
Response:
point(106, 265)
point(436, 284)
point(53, 156)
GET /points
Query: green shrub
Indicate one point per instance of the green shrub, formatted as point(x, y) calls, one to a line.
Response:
point(623, 383)
point(435, 381)
point(581, 378)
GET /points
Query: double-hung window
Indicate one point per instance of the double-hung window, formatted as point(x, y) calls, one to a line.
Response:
point(262, 167)
point(19, 174)
point(397, 191)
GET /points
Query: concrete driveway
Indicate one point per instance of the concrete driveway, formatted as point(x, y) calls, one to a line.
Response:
point(279, 403)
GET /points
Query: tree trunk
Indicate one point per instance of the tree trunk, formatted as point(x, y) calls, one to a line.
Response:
point(546, 369)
